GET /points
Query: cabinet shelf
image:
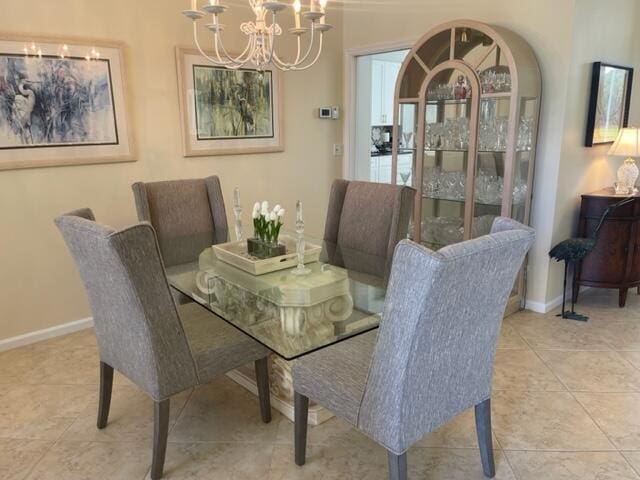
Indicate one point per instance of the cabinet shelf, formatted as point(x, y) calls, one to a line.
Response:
point(461, 201)
point(427, 150)
point(463, 101)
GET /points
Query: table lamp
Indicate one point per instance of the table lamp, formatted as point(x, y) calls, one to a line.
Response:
point(627, 145)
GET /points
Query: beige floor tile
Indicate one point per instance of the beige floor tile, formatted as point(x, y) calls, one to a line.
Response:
point(17, 457)
point(194, 461)
point(453, 464)
point(553, 333)
point(570, 466)
point(617, 414)
point(459, 432)
point(593, 371)
point(41, 412)
point(332, 432)
point(330, 462)
point(544, 421)
point(93, 460)
point(620, 334)
point(634, 459)
point(9, 379)
point(69, 366)
point(522, 370)
point(510, 339)
point(130, 417)
point(223, 411)
point(632, 357)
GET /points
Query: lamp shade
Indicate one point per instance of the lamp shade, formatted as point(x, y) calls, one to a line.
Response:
point(627, 144)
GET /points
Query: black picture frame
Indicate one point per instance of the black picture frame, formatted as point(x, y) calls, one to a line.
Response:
point(597, 69)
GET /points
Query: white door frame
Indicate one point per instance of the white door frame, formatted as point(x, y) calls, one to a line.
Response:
point(349, 82)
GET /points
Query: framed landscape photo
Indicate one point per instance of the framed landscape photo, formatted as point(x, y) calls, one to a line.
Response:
point(227, 111)
point(62, 102)
point(608, 102)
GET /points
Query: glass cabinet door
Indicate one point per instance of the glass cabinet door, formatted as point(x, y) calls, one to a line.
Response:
point(446, 159)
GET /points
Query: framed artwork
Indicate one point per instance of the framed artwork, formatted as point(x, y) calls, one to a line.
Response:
point(62, 102)
point(608, 102)
point(227, 112)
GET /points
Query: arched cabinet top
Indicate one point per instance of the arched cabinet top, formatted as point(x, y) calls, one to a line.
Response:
point(480, 46)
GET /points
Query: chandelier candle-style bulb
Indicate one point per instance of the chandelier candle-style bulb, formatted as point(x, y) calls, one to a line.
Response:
point(296, 12)
point(323, 5)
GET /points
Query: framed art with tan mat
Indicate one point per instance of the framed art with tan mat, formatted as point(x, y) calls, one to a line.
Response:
point(227, 111)
point(62, 102)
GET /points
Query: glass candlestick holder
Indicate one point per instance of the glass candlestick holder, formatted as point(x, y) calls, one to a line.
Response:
point(300, 246)
point(237, 212)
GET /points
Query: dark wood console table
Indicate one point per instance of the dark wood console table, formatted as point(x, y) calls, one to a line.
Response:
point(615, 260)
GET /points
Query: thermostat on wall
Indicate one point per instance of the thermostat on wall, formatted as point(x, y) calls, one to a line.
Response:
point(329, 113)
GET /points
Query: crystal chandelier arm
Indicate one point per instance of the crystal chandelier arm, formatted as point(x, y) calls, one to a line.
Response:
point(291, 66)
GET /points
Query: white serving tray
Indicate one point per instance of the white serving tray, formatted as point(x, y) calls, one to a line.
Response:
point(235, 253)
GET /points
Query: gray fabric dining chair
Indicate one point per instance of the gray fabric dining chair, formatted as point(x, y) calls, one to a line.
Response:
point(365, 221)
point(432, 356)
point(162, 348)
point(188, 216)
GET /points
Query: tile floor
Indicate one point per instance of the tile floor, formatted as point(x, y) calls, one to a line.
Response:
point(566, 406)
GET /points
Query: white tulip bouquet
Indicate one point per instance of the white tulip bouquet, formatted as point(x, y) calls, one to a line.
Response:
point(267, 224)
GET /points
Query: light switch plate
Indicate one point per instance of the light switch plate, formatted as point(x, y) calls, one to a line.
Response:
point(338, 149)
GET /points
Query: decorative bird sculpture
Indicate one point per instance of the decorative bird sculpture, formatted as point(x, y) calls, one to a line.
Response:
point(572, 250)
point(23, 105)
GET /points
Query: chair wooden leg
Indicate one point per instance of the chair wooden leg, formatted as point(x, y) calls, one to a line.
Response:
point(262, 379)
point(160, 434)
point(106, 386)
point(485, 441)
point(397, 466)
point(301, 416)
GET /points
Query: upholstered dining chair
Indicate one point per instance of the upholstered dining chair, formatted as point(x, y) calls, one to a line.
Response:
point(188, 216)
point(162, 348)
point(432, 356)
point(365, 221)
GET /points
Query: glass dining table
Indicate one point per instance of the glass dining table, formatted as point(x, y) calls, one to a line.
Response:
point(292, 315)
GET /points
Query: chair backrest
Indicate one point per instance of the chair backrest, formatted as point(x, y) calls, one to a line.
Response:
point(188, 216)
point(437, 339)
point(136, 322)
point(367, 220)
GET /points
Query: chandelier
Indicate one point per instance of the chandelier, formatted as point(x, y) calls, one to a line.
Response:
point(260, 50)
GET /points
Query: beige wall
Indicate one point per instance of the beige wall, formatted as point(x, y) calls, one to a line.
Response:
point(39, 286)
point(547, 26)
point(601, 31)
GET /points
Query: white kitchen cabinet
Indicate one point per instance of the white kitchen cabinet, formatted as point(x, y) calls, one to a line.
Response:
point(383, 84)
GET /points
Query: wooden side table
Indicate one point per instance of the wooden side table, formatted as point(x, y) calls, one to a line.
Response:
point(615, 260)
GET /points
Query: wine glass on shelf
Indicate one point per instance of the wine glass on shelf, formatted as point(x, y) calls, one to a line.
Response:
point(407, 138)
point(405, 176)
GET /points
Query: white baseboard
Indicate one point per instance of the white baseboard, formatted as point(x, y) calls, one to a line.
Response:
point(540, 307)
point(39, 335)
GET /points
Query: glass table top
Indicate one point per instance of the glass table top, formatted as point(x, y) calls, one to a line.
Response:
point(342, 296)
